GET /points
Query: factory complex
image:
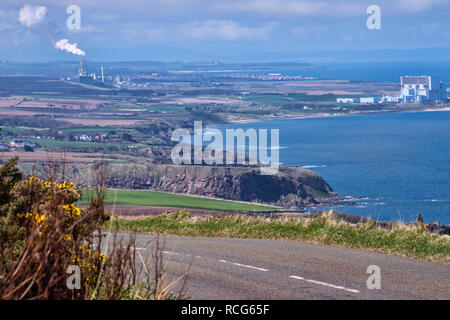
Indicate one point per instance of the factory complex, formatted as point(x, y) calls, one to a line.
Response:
point(414, 89)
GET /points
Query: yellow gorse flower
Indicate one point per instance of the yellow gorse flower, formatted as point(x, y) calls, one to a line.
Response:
point(47, 184)
point(72, 210)
point(36, 217)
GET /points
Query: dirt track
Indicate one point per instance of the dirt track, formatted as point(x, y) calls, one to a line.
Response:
point(136, 212)
point(52, 157)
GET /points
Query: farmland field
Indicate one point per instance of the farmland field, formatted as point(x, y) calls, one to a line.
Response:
point(161, 199)
point(57, 157)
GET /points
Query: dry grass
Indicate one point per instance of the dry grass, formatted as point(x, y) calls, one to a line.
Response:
point(399, 239)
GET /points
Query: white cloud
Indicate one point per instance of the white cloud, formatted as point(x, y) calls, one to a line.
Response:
point(104, 16)
point(4, 21)
point(228, 30)
point(30, 15)
point(416, 5)
point(309, 31)
point(5, 26)
point(293, 7)
point(90, 29)
point(144, 34)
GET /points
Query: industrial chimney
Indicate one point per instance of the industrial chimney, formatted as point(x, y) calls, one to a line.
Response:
point(83, 67)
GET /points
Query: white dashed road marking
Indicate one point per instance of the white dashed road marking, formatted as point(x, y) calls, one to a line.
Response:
point(243, 265)
point(265, 270)
point(324, 284)
point(168, 252)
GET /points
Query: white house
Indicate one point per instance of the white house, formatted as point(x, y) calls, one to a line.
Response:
point(346, 100)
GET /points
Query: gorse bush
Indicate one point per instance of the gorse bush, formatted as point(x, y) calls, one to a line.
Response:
point(9, 176)
point(44, 235)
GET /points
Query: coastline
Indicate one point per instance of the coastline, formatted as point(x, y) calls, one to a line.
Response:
point(405, 111)
point(327, 115)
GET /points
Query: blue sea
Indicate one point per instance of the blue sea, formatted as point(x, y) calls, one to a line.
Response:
point(399, 164)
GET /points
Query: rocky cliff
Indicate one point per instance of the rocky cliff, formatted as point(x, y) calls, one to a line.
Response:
point(290, 187)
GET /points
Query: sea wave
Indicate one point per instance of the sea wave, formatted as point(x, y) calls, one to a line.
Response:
point(312, 166)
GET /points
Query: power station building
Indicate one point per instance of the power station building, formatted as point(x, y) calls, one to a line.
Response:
point(421, 89)
point(90, 78)
point(83, 72)
point(414, 89)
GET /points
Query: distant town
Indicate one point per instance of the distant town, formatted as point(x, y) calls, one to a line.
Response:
point(146, 81)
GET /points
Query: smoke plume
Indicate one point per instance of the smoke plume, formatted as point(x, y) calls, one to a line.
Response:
point(36, 15)
point(30, 15)
point(65, 45)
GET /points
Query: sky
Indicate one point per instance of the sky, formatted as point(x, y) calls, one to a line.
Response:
point(228, 30)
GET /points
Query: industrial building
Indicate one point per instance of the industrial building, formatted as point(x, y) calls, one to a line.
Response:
point(83, 73)
point(87, 78)
point(414, 89)
point(347, 100)
point(421, 89)
point(370, 100)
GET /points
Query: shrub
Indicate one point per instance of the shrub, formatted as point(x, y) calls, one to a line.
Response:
point(9, 177)
point(43, 235)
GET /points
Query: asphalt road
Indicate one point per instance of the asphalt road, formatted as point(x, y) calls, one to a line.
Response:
point(242, 269)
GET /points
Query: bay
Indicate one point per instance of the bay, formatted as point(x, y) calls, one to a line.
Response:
point(398, 163)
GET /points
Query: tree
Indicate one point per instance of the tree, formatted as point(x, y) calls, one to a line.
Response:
point(127, 137)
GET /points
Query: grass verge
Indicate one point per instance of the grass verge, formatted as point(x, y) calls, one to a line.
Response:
point(408, 241)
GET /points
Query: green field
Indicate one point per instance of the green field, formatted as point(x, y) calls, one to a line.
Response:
point(70, 145)
point(161, 199)
point(278, 99)
point(95, 129)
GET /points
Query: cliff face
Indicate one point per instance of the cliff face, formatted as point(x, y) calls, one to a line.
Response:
point(289, 188)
